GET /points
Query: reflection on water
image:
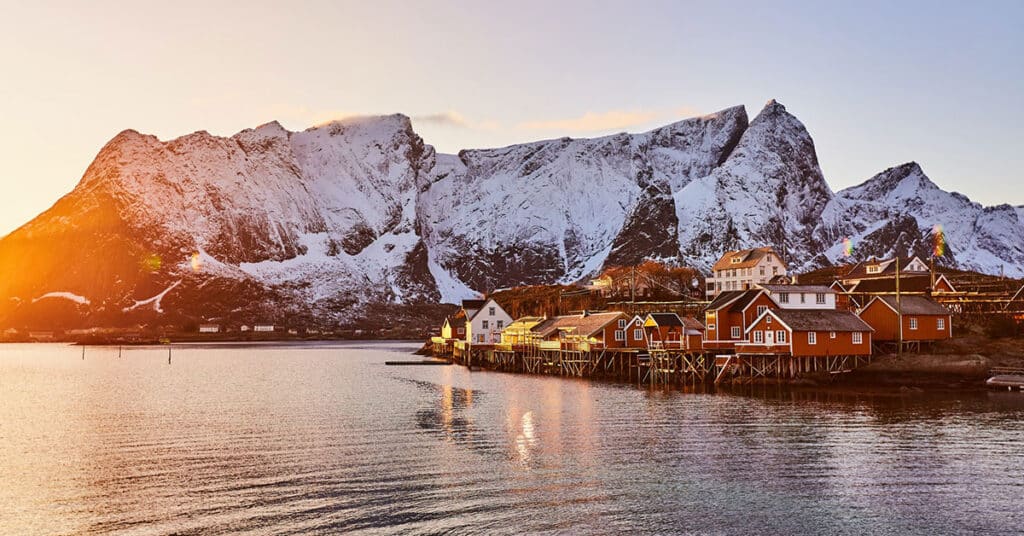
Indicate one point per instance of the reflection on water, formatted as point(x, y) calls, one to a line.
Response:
point(325, 438)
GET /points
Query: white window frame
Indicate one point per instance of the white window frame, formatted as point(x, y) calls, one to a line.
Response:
point(758, 337)
point(620, 335)
point(638, 334)
point(780, 336)
point(711, 326)
point(858, 337)
point(735, 332)
point(622, 323)
point(762, 309)
point(831, 334)
point(812, 337)
point(940, 324)
point(819, 298)
point(783, 297)
point(913, 323)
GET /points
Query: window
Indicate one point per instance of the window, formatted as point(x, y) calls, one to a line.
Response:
point(819, 298)
point(812, 337)
point(913, 323)
point(783, 297)
point(484, 324)
point(761, 309)
point(831, 334)
point(762, 270)
point(874, 269)
point(638, 334)
point(711, 326)
point(490, 311)
point(775, 270)
point(758, 337)
point(736, 260)
point(735, 332)
point(858, 337)
point(780, 337)
point(501, 324)
point(768, 320)
point(803, 298)
point(622, 323)
point(461, 331)
point(718, 286)
point(940, 324)
point(620, 334)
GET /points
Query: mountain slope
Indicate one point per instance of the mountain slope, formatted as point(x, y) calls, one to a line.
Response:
point(340, 222)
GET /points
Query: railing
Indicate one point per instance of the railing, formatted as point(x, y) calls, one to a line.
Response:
point(1009, 371)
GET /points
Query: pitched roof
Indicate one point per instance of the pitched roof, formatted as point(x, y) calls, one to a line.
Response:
point(585, 325)
point(860, 270)
point(724, 298)
point(748, 258)
point(666, 319)
point(744, 300)
point(915, 283)
point(820, 320)
point(915, 305)
point(691, 323)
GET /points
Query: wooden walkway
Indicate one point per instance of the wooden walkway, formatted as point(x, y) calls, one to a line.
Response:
point(656, 367)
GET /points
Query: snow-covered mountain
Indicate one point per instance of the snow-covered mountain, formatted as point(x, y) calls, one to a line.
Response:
point(325, 224)
point(897, 211)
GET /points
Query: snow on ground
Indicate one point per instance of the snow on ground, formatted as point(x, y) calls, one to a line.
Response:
point(155, 300)
point(82, 300)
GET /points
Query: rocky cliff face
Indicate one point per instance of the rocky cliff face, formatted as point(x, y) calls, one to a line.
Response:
point(332, 222)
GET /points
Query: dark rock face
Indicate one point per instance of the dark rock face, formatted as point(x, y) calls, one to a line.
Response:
point(651, 231)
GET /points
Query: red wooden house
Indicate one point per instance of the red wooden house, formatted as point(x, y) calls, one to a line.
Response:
point(726, 318)
point(923, 319)
point(807, 333)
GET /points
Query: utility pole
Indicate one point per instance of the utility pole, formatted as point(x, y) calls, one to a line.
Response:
point(632, 284)
point(899, 311)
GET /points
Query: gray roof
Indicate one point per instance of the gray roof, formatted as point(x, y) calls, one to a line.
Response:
point(585, 325)
point(724, 298)
point(821, 320)
point(915, 305)
point(666, 319)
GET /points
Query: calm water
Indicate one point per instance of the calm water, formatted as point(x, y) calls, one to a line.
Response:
point(326, 438)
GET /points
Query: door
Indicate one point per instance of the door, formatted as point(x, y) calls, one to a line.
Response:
point(769, 338)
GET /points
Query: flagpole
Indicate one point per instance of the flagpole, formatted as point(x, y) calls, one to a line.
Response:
point(899, 310)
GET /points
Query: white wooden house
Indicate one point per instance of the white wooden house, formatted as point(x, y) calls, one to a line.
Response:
point(484, 321)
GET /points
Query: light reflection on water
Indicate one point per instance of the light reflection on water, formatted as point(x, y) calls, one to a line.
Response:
point(326, 438)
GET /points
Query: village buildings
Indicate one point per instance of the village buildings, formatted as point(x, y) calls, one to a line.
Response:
point(755, 312)
point(910, 319)
point(807, 333)
point(743, 269)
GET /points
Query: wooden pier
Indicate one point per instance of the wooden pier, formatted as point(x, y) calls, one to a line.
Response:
point(656, 366)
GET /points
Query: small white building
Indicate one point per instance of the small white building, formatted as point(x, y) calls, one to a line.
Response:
point(485, 321)
point(209, 328)
point(263, 328)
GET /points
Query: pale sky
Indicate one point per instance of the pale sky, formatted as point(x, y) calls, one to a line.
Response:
point(877, 84)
